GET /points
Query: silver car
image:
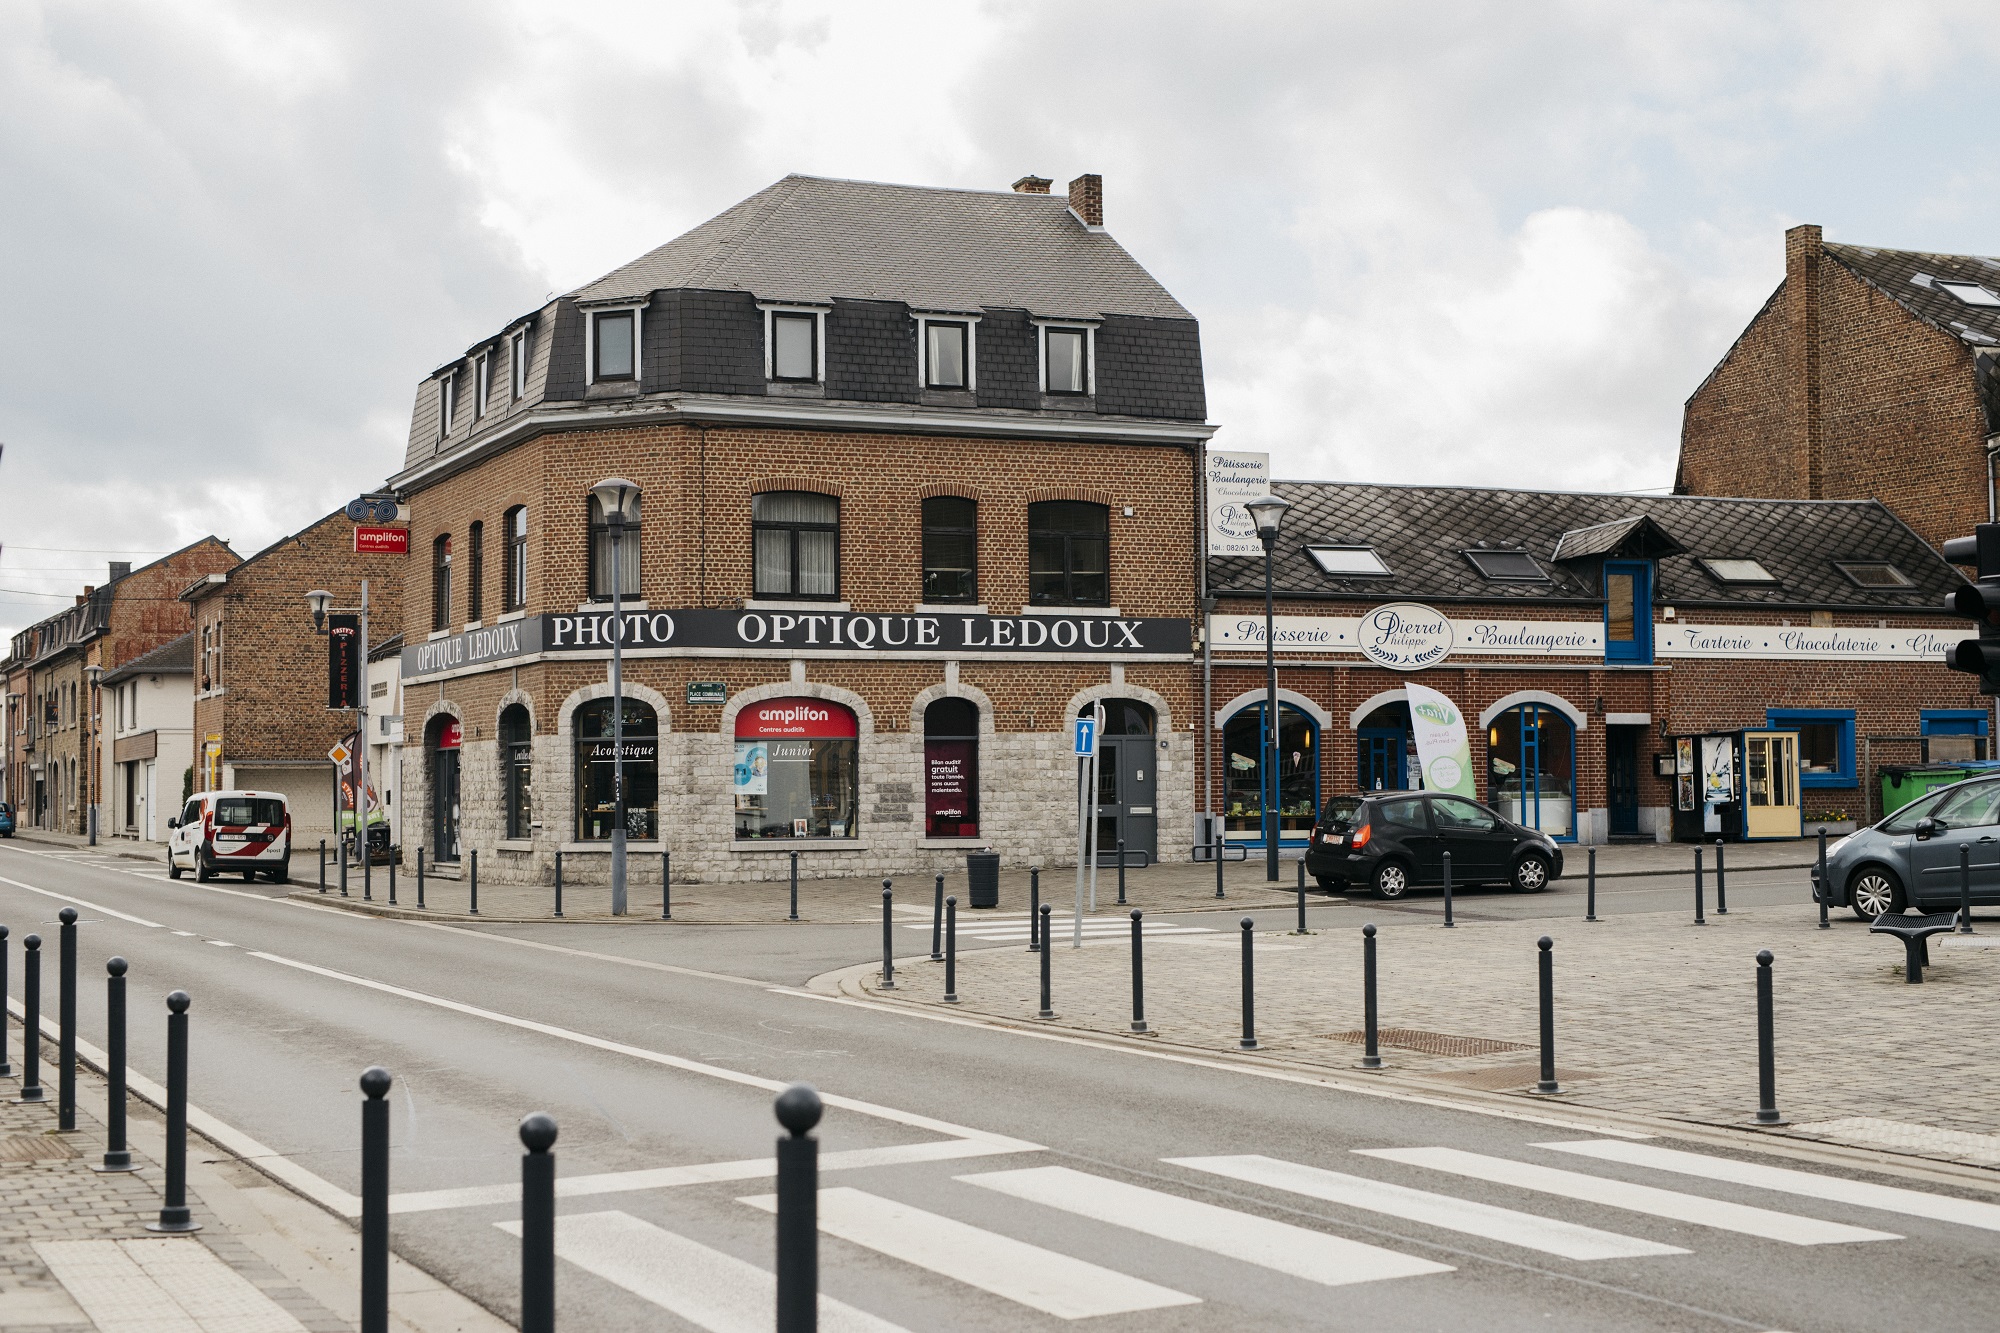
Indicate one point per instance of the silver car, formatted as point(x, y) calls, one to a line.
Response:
point(1911, 858)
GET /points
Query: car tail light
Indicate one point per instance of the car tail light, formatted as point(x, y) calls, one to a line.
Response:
point(1361, 836)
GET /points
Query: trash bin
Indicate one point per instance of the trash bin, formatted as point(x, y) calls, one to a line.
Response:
point(1903, 783)
point(982, 879)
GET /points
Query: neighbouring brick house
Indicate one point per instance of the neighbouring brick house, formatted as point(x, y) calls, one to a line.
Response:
point(260, 667)
point(917, 474)
point(1869, 374)
point(1581, 637)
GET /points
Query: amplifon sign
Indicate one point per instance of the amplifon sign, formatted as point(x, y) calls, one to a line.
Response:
point(805, 718)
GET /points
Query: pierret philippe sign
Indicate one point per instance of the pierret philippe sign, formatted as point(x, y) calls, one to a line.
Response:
point(790, 633)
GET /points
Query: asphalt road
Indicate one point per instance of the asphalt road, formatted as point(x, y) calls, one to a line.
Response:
point(659, 1047)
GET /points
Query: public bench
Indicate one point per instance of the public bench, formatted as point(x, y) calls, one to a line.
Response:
point(1915, 933)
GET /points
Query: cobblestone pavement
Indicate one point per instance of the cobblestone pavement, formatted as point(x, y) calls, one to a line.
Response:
point(1654, 1015)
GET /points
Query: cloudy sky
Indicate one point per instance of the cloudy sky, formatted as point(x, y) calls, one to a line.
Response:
point(1494, 243)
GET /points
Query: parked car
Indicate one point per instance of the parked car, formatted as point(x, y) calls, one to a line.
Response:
point(1910, 858)
point(6, 820)
point(1393, 841)
point(249, 832)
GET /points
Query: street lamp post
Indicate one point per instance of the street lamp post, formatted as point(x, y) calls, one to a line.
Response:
point(1268, 512)
point(618, 497)
point(321, 602)
point(93, 742)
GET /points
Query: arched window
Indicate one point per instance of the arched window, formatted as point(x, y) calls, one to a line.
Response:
point(796, 770)
point(475, 573)
point(1069, 545)
point(1384, 746)
point(951, 549)
point(517, 770)
point(1246, 787)
point(1531, 768)
point(795, 537)
point(596, 791)
point(600, 552)
point(951, 769)
point(441, 583)
point(514, 575)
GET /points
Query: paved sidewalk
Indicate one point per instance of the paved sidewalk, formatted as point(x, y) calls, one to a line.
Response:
point(1653, 1015)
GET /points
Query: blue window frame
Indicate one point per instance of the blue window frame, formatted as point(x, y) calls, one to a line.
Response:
point(1957, 722)
point(1826, 743)
point(1247, 788)
point(1628, 612)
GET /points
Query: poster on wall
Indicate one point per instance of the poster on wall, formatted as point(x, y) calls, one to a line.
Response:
point(1443, 751)
point(1718, 770)
point(1684, 760)
point(753, 768)
point(1233, 479)
point(948, 794)
point(1684, 789)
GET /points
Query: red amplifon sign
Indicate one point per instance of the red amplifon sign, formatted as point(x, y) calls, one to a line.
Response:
point(372, 539)
point(810, 718)
point(449, 735)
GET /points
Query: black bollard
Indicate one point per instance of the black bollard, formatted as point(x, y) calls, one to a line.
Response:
point(795, 887)
point(1590, 900)
point(117, 1155)
point(1121, 872)
point(66, 1022)
point(343, 867)
point(475, 882)
point(1965, 888)
point(888, 942)
point(420, 877)
point(1699, 919)
point(174, 1214)
point(1721, 886)
point(1302, 898)
point(1767, 1060)
point(1138, 974)
point(798, 1109)
point(558, 883)
point(1371, 1054)
point(1302, 875)
point(31, 1023)
point(1249, 1039)
point(937, 922)
point(375, 1200)
point(538, 1224)
point(6, 1065)
point(367, 868)
point(1824, 889)
point(322, 865)
point(1218, 860)
point(666, 885)
point(1547, 1085)
point(1449, 924)
point(1034, 910)
point(951, 950)
point(392, 879)
point(1046, 1010)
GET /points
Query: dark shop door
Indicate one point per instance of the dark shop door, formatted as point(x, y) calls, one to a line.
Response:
point(1381, 752)
point(1622, 778)
point(444, 804)
point(1126, 781)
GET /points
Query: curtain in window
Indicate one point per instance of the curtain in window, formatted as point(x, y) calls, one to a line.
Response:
point(1066, 361)
point(819, 564)
point(946, 355)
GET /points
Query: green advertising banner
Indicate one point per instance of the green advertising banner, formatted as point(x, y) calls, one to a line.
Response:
point(1444, 753)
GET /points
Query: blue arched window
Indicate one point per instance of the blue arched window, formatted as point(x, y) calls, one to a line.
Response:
point(1531, 769)
point(1246, 787)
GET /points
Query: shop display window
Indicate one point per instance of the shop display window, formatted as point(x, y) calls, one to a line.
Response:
point(517, 770)
point(1826, 743)
point(797, 770)
point(1244, 786)
point(596, 808)
point(1531, 768)
point(951, 769)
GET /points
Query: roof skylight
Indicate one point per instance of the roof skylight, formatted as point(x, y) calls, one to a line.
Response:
point(1349, 561)
point(1507, 566)
point(1873, 574)
point(1969, 292)
point(1738, 571)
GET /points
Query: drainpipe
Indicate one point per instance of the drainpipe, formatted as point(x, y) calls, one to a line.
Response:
point(1992, 489)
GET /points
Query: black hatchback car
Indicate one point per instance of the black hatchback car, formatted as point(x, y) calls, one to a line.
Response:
point(1393, 841)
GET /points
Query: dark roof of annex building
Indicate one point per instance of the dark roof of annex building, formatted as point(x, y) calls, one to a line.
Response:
point(813, 239)
point(173, 658)
point(1923, 284)
point(1424, 533)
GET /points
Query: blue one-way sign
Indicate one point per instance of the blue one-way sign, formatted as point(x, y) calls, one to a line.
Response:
point(1086, 737)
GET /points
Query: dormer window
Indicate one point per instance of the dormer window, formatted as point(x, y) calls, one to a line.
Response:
point(946, 351)
point(1066, 359)
point(482, 385)
point(794, 344)
point(447, 402)
point(518, 349)
point(1506, 566)
point(614, 344)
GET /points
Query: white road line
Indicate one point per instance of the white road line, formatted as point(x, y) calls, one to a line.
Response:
point(1438, 1210)
point(1029, 1275)
point(161, 1286)
point(1810, 1184)
point(704, 1286)
point(1313, 1255)
point(66, 898)
point(1724, 1216)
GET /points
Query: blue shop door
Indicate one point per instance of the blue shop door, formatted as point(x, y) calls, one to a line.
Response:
point(1381, 753)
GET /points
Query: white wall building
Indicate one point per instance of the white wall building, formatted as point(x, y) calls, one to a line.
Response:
point(147, 725)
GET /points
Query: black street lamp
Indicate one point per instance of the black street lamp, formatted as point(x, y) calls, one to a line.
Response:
point(1268, 512)
point(320, 602)
point(619, 500)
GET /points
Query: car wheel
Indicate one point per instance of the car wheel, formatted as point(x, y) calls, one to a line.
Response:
point(173, 866)
point(1531, 873)
point(1392, 880)
point(203, 872)
point(1328, 882)
point(1874, 891)
point(282, 874)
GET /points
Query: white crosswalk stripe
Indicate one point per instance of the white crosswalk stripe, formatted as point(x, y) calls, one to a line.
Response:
point(1546, 1234)
point(1811, 1185)
point(1720, 1214)
point(1014, 927)
point(704, 1286)
point(1029, 1275)
point(1313, 1255)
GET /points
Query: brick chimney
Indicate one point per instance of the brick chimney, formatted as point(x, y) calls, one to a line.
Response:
point(1803, 251)
point(1086, 196)
point(1032, 185)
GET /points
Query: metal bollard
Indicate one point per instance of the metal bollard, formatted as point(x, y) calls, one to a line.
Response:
point(1218, 861)
point(666, 885)
point(1302, 875)
point(888, 942)
point(1138, 974)
point(66, 1022)
point(1965, 888)
point(1547, 1085)
point(6, 1066)
point(174, 1213)
point(1721, 886)
point(558, 883)
point(951, 950)
point(1249, 1039)
point(795, 887)
point(392, 879)
point(343, 867)
point(937, 922)
point(798, 1109)
point(322, 865)
point(1121, 872)
point(1449, 924)
point(375, 1200)
point(31, 1022)
point(475, 882)
point(1302, 900)
point(367, 867)
point(1046, 1010)
point(1767, 1060)
point(1371, 1054)
point(1034, 910)
point(1590, 900)
point(1825, 890)
point(1699, 919)
point(420, 877)
point(117, 1154)
point(538, 1224)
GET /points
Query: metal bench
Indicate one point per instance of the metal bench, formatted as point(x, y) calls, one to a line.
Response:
point(1915, 933)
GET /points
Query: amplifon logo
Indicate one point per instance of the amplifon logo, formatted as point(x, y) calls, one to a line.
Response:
point(792, 714)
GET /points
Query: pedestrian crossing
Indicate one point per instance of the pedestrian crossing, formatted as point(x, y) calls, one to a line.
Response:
point(1012, 927)
point(719, 1291)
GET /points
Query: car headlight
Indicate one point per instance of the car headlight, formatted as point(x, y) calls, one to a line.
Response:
point(1833, 848)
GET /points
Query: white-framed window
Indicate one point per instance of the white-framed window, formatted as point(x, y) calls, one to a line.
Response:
point(482, 384)
point(447, 401)
point(948, 351)
point(517, 347)
point(611, 343)
point(1066, 354)
point(794, 343)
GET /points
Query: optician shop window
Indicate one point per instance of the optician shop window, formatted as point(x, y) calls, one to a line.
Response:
point(1826, 743)
point(596, 794)
point(517, 770)
point(796, 770)
point(951, 769)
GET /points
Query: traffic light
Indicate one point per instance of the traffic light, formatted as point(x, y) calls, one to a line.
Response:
point(1978, 601)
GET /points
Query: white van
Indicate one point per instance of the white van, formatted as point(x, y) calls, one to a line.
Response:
point(218, 831)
